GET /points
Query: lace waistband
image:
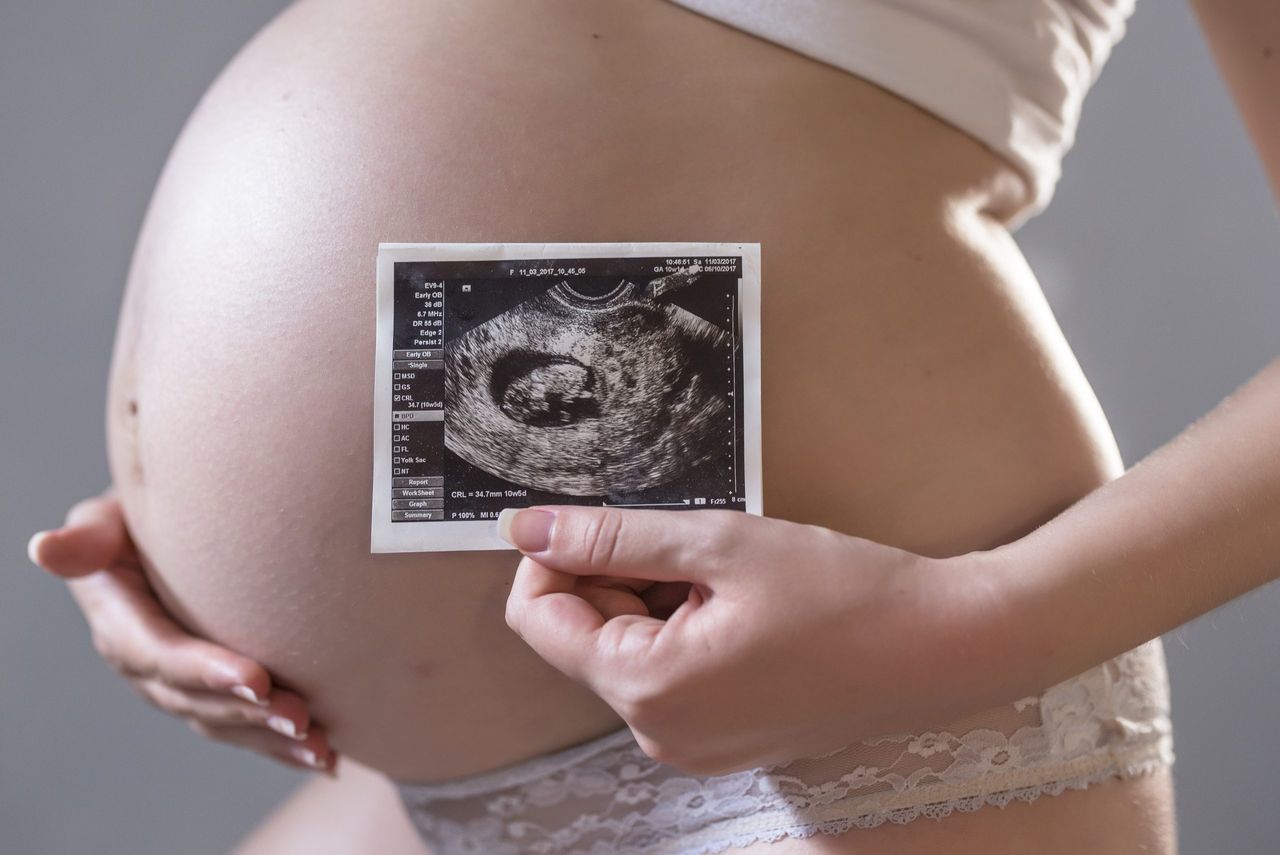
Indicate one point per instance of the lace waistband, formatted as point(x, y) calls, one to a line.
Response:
point(606, 797)
point(516, 775)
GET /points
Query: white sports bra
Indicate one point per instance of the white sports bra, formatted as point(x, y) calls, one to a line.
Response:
point(1012, 73)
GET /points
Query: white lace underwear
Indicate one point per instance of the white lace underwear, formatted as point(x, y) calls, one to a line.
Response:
point(606, 797)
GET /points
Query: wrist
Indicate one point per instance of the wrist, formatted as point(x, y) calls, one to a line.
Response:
point(1029, 629)
point(1062, 615)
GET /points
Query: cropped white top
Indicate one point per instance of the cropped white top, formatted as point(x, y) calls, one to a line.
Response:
point(1012, 73)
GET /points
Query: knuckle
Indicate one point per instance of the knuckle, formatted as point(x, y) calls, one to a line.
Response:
point(719, 536)
point(662, 751)
point(238, 717)
point(682, 756)
point(641, 704)
point(600, 538)
point(512, 616)
point(826, 537)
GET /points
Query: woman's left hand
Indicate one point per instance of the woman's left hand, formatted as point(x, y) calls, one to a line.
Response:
point(727, 641)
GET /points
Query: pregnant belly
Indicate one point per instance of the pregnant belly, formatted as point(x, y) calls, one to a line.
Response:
point(916, 389)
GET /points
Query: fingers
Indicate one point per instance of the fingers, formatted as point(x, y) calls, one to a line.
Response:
point(93, 537)
point(576, 599)
point(280, 727)
point(312, 753)
point(567, 630)
point(222, 694)
point(284, 712)
point(690, 546)
point(192, 663)
point(665, 597)
point(179, 673)
point(132, 631)
point(556, 623)
point(130, 628)
point(612, 597)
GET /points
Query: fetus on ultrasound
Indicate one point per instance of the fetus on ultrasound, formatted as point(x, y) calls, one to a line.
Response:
point(588, 391)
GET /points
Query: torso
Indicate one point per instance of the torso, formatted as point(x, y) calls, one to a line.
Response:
point(916, 388)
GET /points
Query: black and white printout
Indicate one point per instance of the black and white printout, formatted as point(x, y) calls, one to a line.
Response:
point(510, 375)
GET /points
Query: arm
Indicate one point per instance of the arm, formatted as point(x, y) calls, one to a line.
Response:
point(1197, 523)
point(676, 620)
point(1194, 525)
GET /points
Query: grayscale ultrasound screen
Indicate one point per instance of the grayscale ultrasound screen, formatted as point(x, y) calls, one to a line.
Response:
point(613, 381)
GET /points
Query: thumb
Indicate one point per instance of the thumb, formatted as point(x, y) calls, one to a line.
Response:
point(93, 537)
point(661, 546)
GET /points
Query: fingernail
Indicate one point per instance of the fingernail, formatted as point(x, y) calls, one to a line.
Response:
point(284, 727)
point(307, 756)
point(527, 529)
point(33, 546)
point(247, 694)
point(222, 677)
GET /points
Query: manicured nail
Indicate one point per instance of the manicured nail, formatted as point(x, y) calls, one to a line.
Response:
point(33, 546)
point(284, 727)
point(527, 529)
point(307, 756)
point(223, 677)
point(247, 694)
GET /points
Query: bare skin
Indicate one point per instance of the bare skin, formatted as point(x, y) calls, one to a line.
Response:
point(917, 390)
point(357, 811)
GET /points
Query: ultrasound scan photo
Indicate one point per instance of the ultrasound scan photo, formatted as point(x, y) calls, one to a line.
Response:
point(516, 375)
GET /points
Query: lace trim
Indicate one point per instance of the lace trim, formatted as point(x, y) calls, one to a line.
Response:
point(935, 810)
point(932, 802)
point(606, 797)
point(485, 783)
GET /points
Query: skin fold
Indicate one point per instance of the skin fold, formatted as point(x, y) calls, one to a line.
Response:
point(917, 391)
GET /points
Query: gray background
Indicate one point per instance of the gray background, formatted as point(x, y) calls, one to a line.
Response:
point(1159, 256)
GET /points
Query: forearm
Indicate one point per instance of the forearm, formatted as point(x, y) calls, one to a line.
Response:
point(1197, 523)
point(1190, 527)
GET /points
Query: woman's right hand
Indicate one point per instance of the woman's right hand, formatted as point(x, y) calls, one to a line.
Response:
point(221, 694)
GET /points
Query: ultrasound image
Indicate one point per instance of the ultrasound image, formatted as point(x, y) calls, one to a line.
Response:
point(593, 387)
point(512, 375)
